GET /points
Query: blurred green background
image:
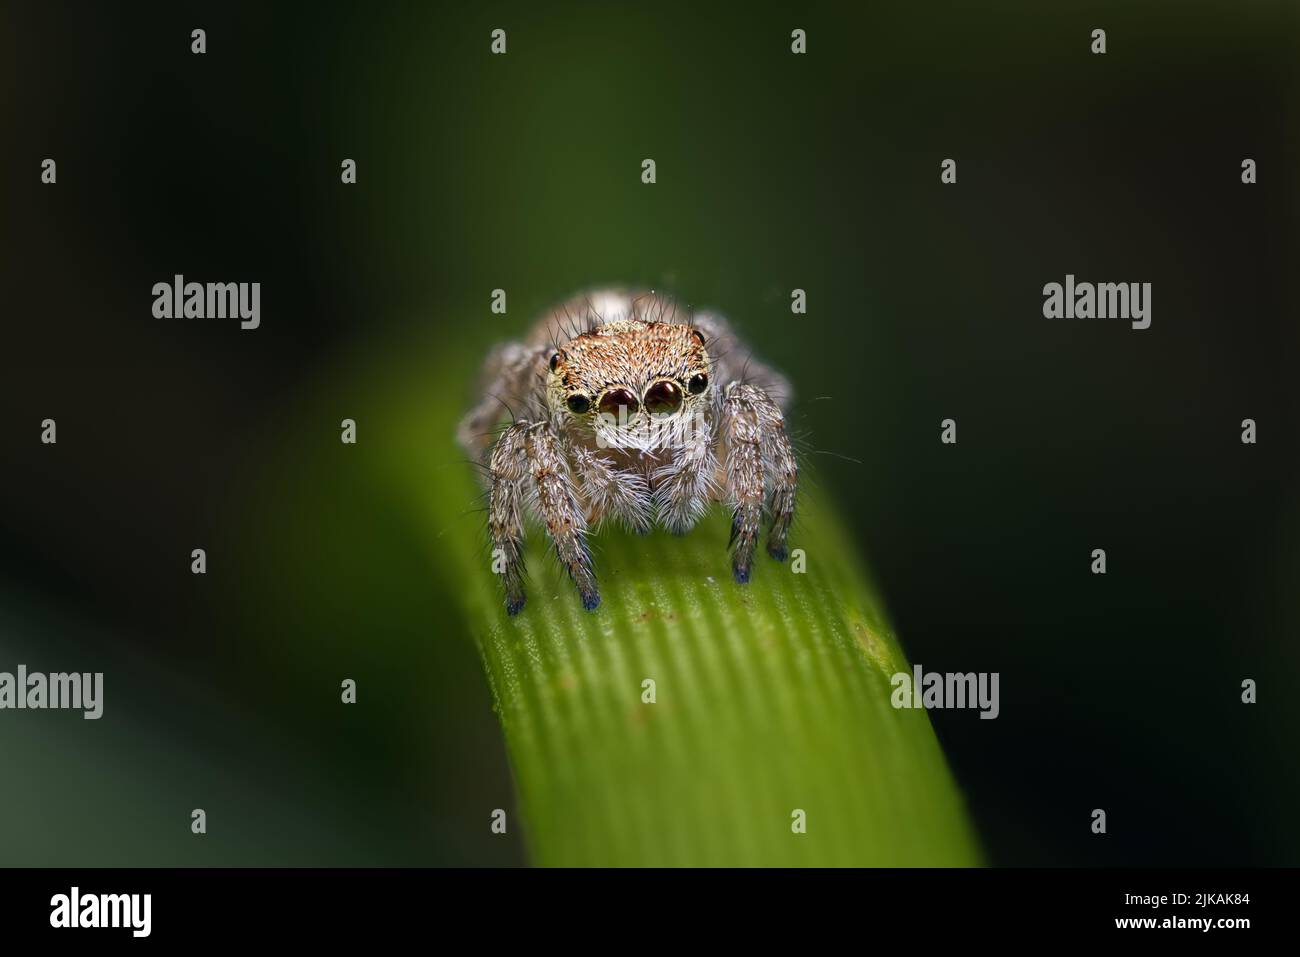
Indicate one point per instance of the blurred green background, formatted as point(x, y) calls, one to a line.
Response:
point(522, 172)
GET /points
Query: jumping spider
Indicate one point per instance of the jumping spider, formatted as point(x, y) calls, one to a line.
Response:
point(618, 405)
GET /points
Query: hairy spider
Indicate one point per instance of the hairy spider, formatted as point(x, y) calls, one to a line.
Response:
point(618, 405)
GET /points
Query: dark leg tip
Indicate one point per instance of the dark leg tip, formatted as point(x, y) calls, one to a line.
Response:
point(741, 574)
point(513, 604)
point(778, 552)
point(591, 601)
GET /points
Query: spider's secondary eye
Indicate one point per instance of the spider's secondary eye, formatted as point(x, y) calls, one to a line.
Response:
point(699, 382)
point(663, 397)
point(611, 400)
point(578, 404)
point(555, 361)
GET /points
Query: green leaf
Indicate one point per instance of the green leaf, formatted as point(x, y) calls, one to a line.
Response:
point(770, 698)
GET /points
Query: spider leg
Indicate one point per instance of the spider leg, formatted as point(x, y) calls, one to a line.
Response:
point(744, 468)
point(507, 470)
point(759, 460)
point(780, 470)
point(529, 452)
point(560, 509)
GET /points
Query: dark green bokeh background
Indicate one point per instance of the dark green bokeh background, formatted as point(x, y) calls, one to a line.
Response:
point(522, 172)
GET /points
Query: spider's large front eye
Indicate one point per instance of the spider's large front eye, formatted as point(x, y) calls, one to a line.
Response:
point(663, 397)
point(578, 404)
point(614, 398)
point(699, 382)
